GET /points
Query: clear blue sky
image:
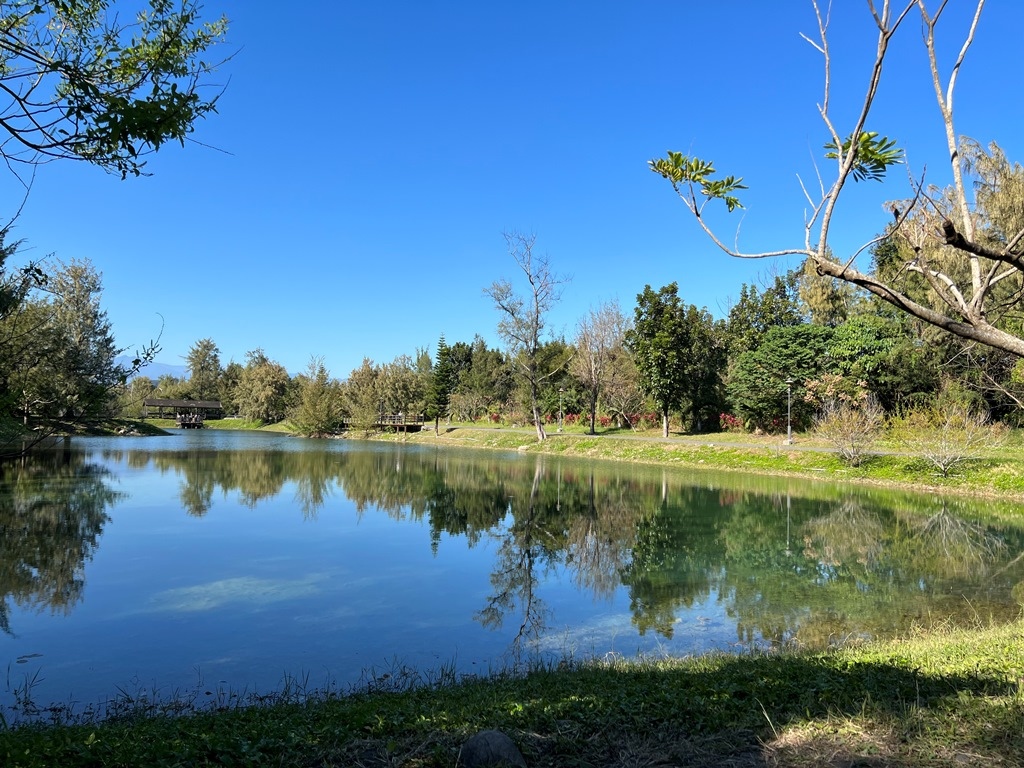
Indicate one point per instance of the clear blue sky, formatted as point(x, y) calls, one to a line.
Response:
point(369, 156)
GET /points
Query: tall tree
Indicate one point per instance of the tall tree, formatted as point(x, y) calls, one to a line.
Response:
point(89, 371)
point(89, 80)
point(678, 352)
point(262, 392)
point(227, 390)
point(826, 301)
point(523, 320)
point(318, 411)
point(757, 384)
point(756, 311)
point(485, 379)
point(949, 240)
point(204, 369)
point(600, 335)
point(364, 404)
point(442, 382)
point(59, 360)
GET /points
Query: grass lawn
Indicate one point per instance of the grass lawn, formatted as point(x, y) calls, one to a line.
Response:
point(940, 698)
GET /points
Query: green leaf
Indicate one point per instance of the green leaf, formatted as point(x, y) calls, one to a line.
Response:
point(872, 156)
point(679, 169)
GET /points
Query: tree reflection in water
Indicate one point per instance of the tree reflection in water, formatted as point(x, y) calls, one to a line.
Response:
point(53, 507)
point(788, 562)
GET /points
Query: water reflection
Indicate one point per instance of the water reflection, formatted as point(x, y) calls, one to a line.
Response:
point(53, 508)
point(783, 561)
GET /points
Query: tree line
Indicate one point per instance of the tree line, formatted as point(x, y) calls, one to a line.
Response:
point(789, 348)
point(933, 323)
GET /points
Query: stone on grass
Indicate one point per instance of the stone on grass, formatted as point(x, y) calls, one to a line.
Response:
point(490, 749)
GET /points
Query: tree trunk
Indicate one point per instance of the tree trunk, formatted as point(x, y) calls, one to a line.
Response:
point(534, 402)
point(541, 434)
point(664, 423)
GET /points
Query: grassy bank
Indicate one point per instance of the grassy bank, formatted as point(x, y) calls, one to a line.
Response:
point(944, 698)
point(996, 472)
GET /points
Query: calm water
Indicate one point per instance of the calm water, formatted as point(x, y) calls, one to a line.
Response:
point(210, 559)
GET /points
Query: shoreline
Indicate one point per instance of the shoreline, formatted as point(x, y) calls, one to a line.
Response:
point(805, 461)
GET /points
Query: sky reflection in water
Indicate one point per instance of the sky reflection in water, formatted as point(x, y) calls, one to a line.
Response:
point(211, 559)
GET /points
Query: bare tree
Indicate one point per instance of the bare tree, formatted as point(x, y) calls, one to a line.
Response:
point(948, 241)
point(623, 397)
point(600, 335)
point(523, 319)
point(851, 426)
point(947, 435)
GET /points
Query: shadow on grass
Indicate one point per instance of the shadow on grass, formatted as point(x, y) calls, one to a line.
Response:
point(761, 711)
point(841, 710)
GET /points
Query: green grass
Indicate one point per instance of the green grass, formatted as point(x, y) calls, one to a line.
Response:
point(165, 424)
point(940, 698)
point(999, 473)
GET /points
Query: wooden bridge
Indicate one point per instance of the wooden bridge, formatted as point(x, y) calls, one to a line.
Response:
point(188, 414)
point(399, 422)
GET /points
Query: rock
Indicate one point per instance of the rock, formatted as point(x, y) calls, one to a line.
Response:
point(490, 748)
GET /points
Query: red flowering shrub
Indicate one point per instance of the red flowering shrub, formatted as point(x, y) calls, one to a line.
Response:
point(729, 423)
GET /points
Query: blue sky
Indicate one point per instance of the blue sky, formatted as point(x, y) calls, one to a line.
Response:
point(368, 156)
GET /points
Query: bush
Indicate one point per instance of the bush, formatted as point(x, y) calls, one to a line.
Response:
point(947, 434)
point(729, 423)
point(851, 426)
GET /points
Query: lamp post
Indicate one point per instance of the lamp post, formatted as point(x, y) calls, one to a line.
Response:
point(789, 411)
point(560, 391)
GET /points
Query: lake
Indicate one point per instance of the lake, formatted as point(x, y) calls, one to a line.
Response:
point(212, 561)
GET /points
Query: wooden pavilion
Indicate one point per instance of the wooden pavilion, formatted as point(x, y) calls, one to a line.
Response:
point(189, 414)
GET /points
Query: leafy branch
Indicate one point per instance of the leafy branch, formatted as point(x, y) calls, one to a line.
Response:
point(872, 156)
point(679, 169)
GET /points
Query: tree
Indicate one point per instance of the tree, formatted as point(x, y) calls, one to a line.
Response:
point(363, 402)
point(757, 382)
point(262, 390)
point(949, 241)
point(133, 395)
point(318, 411)
point(757, 311)
point(204, 369)
point(523, 320)
point(947, 434)
point(678, 353)
point(82, 80)
point(623, 397)
point(171, 387)
point(599, 336)
point(852, 421)
point(825, 301)
point(228, 387)
point(485, 380)
point(59, 360)
point(657, 341)
point(442, 382)
point(401, 388)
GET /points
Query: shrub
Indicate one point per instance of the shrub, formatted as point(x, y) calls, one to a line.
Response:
point(851, 426)
point(729, 423)
point(947, 434)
